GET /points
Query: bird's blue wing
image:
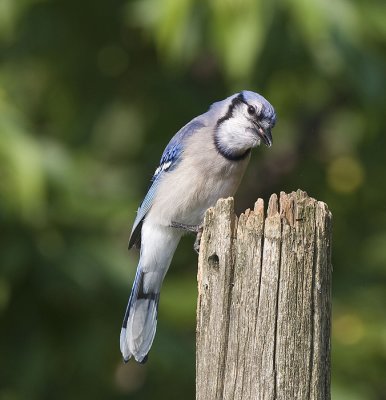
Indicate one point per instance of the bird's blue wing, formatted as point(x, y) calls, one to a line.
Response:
point(169, 160)
point(135, 237)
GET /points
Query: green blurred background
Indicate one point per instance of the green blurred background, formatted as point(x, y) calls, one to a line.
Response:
point(90, 93)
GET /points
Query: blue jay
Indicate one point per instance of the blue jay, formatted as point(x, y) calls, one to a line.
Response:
point(202, 163)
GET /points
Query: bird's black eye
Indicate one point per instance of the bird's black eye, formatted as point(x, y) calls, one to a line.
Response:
point(251, 110)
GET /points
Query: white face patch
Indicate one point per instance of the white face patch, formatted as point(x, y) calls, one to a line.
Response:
point(236, 134)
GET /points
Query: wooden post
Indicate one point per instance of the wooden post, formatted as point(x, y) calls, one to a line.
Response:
point(264, 301)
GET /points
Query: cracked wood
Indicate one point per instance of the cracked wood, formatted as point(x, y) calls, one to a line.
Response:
point(264, 302)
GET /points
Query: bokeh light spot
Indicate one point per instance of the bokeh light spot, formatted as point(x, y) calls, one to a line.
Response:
point(348, 329)
point(130, 377)
point(345, 174)
point(125, 130)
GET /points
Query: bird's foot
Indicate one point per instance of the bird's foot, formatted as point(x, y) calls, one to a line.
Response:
point(191, 228)
point(197, 242)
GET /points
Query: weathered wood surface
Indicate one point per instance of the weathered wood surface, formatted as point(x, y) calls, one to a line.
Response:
point(264, 302)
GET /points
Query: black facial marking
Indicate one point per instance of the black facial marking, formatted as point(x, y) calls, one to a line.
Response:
point(228, 154)
point(236, 101)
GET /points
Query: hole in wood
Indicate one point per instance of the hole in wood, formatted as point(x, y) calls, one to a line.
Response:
point(213, 261)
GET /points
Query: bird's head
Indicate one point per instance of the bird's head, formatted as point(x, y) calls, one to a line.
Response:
point(246, 121)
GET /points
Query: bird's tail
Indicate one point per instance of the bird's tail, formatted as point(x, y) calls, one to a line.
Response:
point(140, 321)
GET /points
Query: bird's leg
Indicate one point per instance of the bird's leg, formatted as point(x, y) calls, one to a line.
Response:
point(188, 228)
point(191, 228)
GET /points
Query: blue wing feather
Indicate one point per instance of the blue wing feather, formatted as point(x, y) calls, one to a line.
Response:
point(169, 160)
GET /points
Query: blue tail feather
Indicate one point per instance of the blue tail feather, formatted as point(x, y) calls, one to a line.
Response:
point(140, 321)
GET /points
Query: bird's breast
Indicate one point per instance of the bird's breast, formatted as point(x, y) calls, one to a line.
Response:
point(196, 184)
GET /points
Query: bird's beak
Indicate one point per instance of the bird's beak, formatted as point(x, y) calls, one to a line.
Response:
point(265, 135)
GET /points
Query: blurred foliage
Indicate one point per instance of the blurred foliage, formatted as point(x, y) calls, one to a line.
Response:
point(91, 92)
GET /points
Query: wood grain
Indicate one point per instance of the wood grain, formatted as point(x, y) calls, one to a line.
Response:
point(264, 301)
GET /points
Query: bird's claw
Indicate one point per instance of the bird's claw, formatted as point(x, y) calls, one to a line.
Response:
point(191, 228)
point(197, 242)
